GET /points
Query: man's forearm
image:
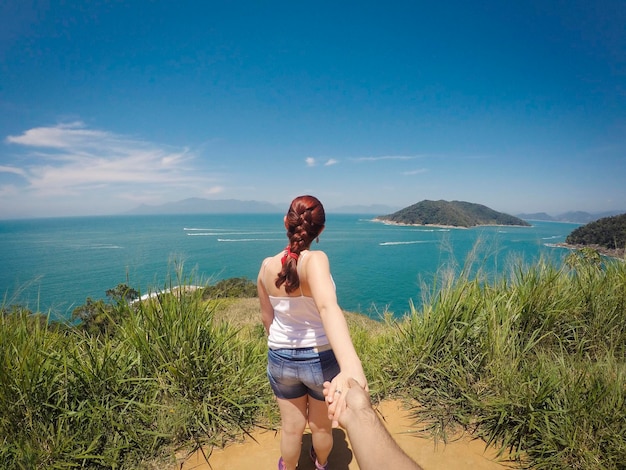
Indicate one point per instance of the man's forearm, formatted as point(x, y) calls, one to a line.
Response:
point(374, 447)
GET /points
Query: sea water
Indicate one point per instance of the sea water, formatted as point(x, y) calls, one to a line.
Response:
point(53, 265)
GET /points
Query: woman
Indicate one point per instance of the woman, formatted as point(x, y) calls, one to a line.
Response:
point(308, 338)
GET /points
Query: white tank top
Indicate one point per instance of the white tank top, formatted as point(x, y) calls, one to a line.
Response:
point(297, 322)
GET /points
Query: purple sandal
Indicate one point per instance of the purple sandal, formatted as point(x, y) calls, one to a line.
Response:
point(313, 456)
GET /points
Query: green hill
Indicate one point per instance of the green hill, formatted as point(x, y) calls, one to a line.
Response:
point(454, 214)
point(607, 234)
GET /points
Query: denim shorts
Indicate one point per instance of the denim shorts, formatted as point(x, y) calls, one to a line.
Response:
point(294, 373)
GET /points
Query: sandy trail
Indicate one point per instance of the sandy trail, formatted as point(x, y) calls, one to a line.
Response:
point(263, 452)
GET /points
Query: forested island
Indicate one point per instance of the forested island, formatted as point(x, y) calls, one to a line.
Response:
point(450, 214)
point(606, 235)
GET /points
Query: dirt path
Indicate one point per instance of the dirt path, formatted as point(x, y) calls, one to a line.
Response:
point(262, 452)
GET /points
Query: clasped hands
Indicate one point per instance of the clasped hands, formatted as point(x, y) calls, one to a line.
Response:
point(336, 395)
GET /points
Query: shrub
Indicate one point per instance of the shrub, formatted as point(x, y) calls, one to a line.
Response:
point(236, 287)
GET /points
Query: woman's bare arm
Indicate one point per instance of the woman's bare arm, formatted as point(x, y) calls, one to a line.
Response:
point(267, 311)
point(322, 290)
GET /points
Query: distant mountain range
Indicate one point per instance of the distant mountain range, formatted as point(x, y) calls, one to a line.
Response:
point(197, 205)
point(454, 214)
point(577, 217)
point(235, 206)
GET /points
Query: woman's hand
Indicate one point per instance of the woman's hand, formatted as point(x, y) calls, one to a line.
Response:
point(334, 389)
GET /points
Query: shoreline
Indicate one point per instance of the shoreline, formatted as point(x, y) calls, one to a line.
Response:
point(619, 254)
point(403, 224)
point(173, 290)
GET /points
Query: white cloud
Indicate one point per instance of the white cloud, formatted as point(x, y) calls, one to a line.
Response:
point(384, 157)
point(419, 171)
point(11, 169)
point(214, 190)
point(69, 164)
point(310, 161)
point(60, 136)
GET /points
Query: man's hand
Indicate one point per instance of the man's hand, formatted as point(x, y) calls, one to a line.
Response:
point(346, 405)
point(372, 444)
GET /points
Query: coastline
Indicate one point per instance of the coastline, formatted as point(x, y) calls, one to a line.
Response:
point(403, 224)
point(173, 290)
point(619, 254)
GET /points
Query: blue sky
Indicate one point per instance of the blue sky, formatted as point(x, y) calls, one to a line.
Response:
point(520, 106)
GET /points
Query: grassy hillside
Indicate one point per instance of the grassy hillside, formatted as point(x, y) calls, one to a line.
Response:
point(534, 363)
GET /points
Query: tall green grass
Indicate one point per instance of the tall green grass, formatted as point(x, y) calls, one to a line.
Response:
point(535, 363)
point(204, 367)
point(168, 375)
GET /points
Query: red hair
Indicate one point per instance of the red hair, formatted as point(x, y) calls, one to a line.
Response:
point(304, 221)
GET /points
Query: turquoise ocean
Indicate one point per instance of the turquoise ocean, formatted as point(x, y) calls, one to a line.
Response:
point(52, 265)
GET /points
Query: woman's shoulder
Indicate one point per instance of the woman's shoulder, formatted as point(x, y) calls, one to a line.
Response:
point(314, 254)
point(277, 256)
point(271, 260)
point(314, 259)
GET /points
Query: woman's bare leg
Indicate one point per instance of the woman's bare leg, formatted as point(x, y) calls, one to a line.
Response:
point(293, 413)
point(321, 429)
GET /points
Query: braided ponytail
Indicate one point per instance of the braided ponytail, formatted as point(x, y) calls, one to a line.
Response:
point(304, 222)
